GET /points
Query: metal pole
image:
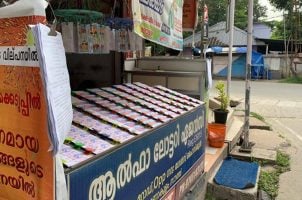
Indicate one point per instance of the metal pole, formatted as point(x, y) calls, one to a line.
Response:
point(202, 28)
point(231, 41)
point(193, 39)
point(285, 47)
point(247, 146)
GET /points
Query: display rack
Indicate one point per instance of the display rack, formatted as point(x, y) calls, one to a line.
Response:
point(129, 137)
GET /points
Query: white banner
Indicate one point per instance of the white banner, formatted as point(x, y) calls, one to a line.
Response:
point(19, 56)
point(159, 21)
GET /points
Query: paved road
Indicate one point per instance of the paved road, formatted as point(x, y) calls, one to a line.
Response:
point(281, 105)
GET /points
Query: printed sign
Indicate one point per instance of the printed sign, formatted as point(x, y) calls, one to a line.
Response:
point(26, 165)
point(26, 56)
point(159, 21)
point(189, 179)
point(186, 182)
point(146, 168)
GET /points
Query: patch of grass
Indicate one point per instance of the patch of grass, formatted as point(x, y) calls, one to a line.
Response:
point(269, 181)
point(209, 197)
point(257, 116)
point(253, 114)
point(297, 80)
point(260, 162)
point(282, 162)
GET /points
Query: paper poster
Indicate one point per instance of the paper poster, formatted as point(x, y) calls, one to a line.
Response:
point(105, 37)
point(84, 42)
point(27, 167)
point(95, 37)
point(132, 41)
point(112, 42)
point(159, 21)
point(122, 40)
point(56, 85)
point(68, 36)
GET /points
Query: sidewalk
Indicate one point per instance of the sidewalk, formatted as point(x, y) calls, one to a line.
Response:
point(266, 145)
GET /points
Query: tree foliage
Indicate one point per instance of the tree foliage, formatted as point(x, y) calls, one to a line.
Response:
point(292, 27)
point(218, 9)
point(278, 30)
point(281, 4)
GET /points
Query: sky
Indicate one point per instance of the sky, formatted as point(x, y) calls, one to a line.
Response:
point(272, 12)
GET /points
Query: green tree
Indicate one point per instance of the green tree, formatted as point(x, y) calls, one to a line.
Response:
point(278, 30)
point(281, 4)
point(292, 26)
point(218, 9)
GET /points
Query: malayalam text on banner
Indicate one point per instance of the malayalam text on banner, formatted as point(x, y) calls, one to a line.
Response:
point(26, 165)
point(159, 21)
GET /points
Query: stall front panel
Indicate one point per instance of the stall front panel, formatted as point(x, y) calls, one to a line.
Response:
point(146, 168)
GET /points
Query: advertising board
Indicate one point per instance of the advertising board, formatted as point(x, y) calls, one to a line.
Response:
point(146, 168)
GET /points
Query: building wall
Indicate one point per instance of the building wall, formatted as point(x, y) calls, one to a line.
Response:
point(276, 64)
point(220, 62)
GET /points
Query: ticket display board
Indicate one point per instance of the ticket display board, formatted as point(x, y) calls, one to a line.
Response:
point(133, 141)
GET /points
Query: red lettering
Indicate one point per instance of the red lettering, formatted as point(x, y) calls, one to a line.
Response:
point(146, 32)
point(163, 39)
point(2, 136)
point(13, 182)
point(23, 105)
point(39, 171)
point(10, 139)
point(32, 167)
point(31, 143)
point(19, 141)
point(11, 161)
point(22, 165)
point(6, 98)
point(18, 183)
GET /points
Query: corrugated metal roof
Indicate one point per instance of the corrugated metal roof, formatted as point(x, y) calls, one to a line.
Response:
point(218, 37)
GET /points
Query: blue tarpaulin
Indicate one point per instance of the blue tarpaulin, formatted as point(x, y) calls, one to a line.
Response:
point(238, 66)
point(219, 50)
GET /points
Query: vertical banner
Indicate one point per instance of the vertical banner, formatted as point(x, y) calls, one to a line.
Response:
point(159, 21)
point(26, 165)
point(190, 15)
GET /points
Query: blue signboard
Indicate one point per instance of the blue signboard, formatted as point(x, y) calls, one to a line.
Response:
point(145, 168)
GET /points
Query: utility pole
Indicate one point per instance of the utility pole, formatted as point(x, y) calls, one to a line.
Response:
point(202, 2)
point(231, 41)
point(285, 46)
point(246, 145)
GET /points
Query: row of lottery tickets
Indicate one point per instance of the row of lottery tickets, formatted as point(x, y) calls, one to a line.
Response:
point(104, 118)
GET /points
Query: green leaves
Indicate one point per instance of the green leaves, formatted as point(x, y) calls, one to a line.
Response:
point(218, 9)
point(224, 101)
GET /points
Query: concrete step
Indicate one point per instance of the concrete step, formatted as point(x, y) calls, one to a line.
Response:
point(267, 155)
point(233, 132)
point(226, 193)
point(213, 158)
